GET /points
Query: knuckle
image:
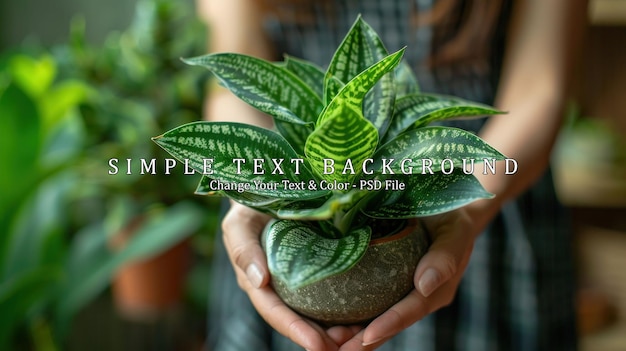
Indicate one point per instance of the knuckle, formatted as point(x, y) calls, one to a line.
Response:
point(449, 264)
point(241, 253)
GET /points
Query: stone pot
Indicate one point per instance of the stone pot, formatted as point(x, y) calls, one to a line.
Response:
point(380, 279)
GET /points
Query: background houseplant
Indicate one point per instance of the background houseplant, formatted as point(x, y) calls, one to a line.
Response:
point(65, 112)
point(354, 115)
point(138, 87)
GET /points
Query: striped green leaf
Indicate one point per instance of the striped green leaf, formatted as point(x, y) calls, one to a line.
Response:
point(268, 87)
point(331, 88)
point(345, 137)
point(418, 110)
point(427, 195)
point(264, 203)
point(354, 91)
point(435, 144)
point(298, 253)
point(310, 74)
point(313, 76)
point(309, 211)
point(223, 142)
point(405, 80)
point(342, 133)
point(295, 134)
point(360, 49)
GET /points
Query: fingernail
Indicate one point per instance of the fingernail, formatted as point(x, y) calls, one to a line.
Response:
point(254, 275)
point(429, 281)
point(364, 344)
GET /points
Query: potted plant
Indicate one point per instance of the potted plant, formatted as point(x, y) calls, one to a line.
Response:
point(138, 88)
point(350, 167)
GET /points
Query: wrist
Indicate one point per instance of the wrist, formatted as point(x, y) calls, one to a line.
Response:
point(482, 212)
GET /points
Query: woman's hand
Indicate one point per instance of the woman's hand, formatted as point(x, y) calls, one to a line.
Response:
point(436, 280)
point(242, 228)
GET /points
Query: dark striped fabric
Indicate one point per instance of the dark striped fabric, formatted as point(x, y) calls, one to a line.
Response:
point(517, 292)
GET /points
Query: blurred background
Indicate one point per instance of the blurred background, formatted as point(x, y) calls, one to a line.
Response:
point(90, 259)
point(99, 261)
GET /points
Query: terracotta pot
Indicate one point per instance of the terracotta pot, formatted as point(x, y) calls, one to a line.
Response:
point(380, 279)
point(146, 289)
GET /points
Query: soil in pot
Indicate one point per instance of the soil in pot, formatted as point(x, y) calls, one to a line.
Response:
point(380, 279)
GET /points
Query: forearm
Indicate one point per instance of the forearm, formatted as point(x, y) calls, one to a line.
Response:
point(527, 135)
point(234, 26)
point(533, 90)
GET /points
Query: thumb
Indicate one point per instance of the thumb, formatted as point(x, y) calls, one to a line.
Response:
point(448, 254)
point(242, 229)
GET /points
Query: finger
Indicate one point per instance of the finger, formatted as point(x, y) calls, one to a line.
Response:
point(303, 332)
point(341, 334)
point(447, 255)
point(241, 230)
point(406, 312)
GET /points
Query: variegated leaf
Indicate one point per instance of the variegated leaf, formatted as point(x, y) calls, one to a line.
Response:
point(310, 74)
point(405, 80)
point(223, 142)
point(331, 89)
point(428, 194)
point(353, 93)
point(295, 134)
point(298, 253)
point(434, 144)
point(337, 202)
point(262, 203)
point(360, 49)
point(418, 110)
point(269, 88)
point(345, 137)
point(313, 76)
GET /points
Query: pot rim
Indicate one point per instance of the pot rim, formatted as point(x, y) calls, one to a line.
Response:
point(410, 225)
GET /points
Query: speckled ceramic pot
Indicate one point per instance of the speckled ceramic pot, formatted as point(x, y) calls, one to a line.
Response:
point(380, 279)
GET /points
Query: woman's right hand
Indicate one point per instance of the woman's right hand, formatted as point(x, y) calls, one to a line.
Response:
point(242, 228)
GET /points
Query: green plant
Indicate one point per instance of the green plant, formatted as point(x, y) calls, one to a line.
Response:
point(362, 112)
point(138, 87)
point(48, 272)
point(64, 113)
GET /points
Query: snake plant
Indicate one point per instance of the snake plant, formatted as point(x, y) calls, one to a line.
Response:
point(351, 145)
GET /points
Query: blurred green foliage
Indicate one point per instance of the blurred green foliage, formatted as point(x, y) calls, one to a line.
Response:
point(64, 113)
point(140, 89)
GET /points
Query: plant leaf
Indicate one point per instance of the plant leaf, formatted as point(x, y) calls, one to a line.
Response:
point(345, 137)
point(226, 141)
point(313, 76)
point(360, 49)
point(270, 88)
point(264, 203)
point(325, 211)
point(298, 254)
point(295, 134)
point(310, 74)
point(435, 144)
point(342, 133)
point(418, 110)
point(354, 91)
point(428, 194)
point(405, 80)
point(332, 87)
point(21, 294)
point(160, 231)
